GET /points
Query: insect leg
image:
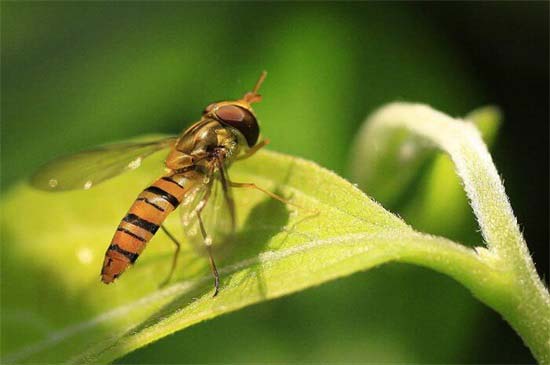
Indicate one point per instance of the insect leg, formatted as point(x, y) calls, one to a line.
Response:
point(208, 244)
point(208, 241)
point(254, 149)
point(267, 192)
point(224, 178)
point(175, 259)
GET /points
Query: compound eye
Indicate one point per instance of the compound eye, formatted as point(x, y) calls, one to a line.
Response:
point(209, 108)
point(231, 114)
point(241, 119)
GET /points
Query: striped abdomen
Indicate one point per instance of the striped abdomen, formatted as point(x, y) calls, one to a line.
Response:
point(143, 220)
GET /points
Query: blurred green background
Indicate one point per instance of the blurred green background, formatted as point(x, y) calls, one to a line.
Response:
point(76, 75)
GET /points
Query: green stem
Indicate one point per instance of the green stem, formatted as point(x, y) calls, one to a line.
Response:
point(524, 301)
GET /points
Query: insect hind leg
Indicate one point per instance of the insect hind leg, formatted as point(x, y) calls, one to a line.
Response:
point(175, 258)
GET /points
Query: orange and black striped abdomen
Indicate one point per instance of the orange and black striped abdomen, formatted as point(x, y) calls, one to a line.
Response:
point(143, 220)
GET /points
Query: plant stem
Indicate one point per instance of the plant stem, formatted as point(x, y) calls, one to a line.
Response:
point(524, 302)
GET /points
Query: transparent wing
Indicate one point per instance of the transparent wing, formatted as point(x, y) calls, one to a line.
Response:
point(218, 213)
point(88, 168)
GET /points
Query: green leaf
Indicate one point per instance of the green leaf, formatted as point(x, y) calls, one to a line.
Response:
point(52, 255)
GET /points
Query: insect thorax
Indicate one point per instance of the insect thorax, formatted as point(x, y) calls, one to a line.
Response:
point(204, 141)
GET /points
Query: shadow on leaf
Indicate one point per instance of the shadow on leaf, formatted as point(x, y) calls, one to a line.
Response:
point(264, 221)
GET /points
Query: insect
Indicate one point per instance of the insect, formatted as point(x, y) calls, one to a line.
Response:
point(196, 181)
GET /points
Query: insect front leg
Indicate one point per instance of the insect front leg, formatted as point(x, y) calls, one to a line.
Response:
point(254, 149)
point(176, 254)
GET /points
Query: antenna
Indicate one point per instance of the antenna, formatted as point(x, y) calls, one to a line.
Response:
point(253, 96)
point(259, 82)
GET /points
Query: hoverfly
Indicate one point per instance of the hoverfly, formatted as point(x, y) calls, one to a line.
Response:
point(196, 181)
